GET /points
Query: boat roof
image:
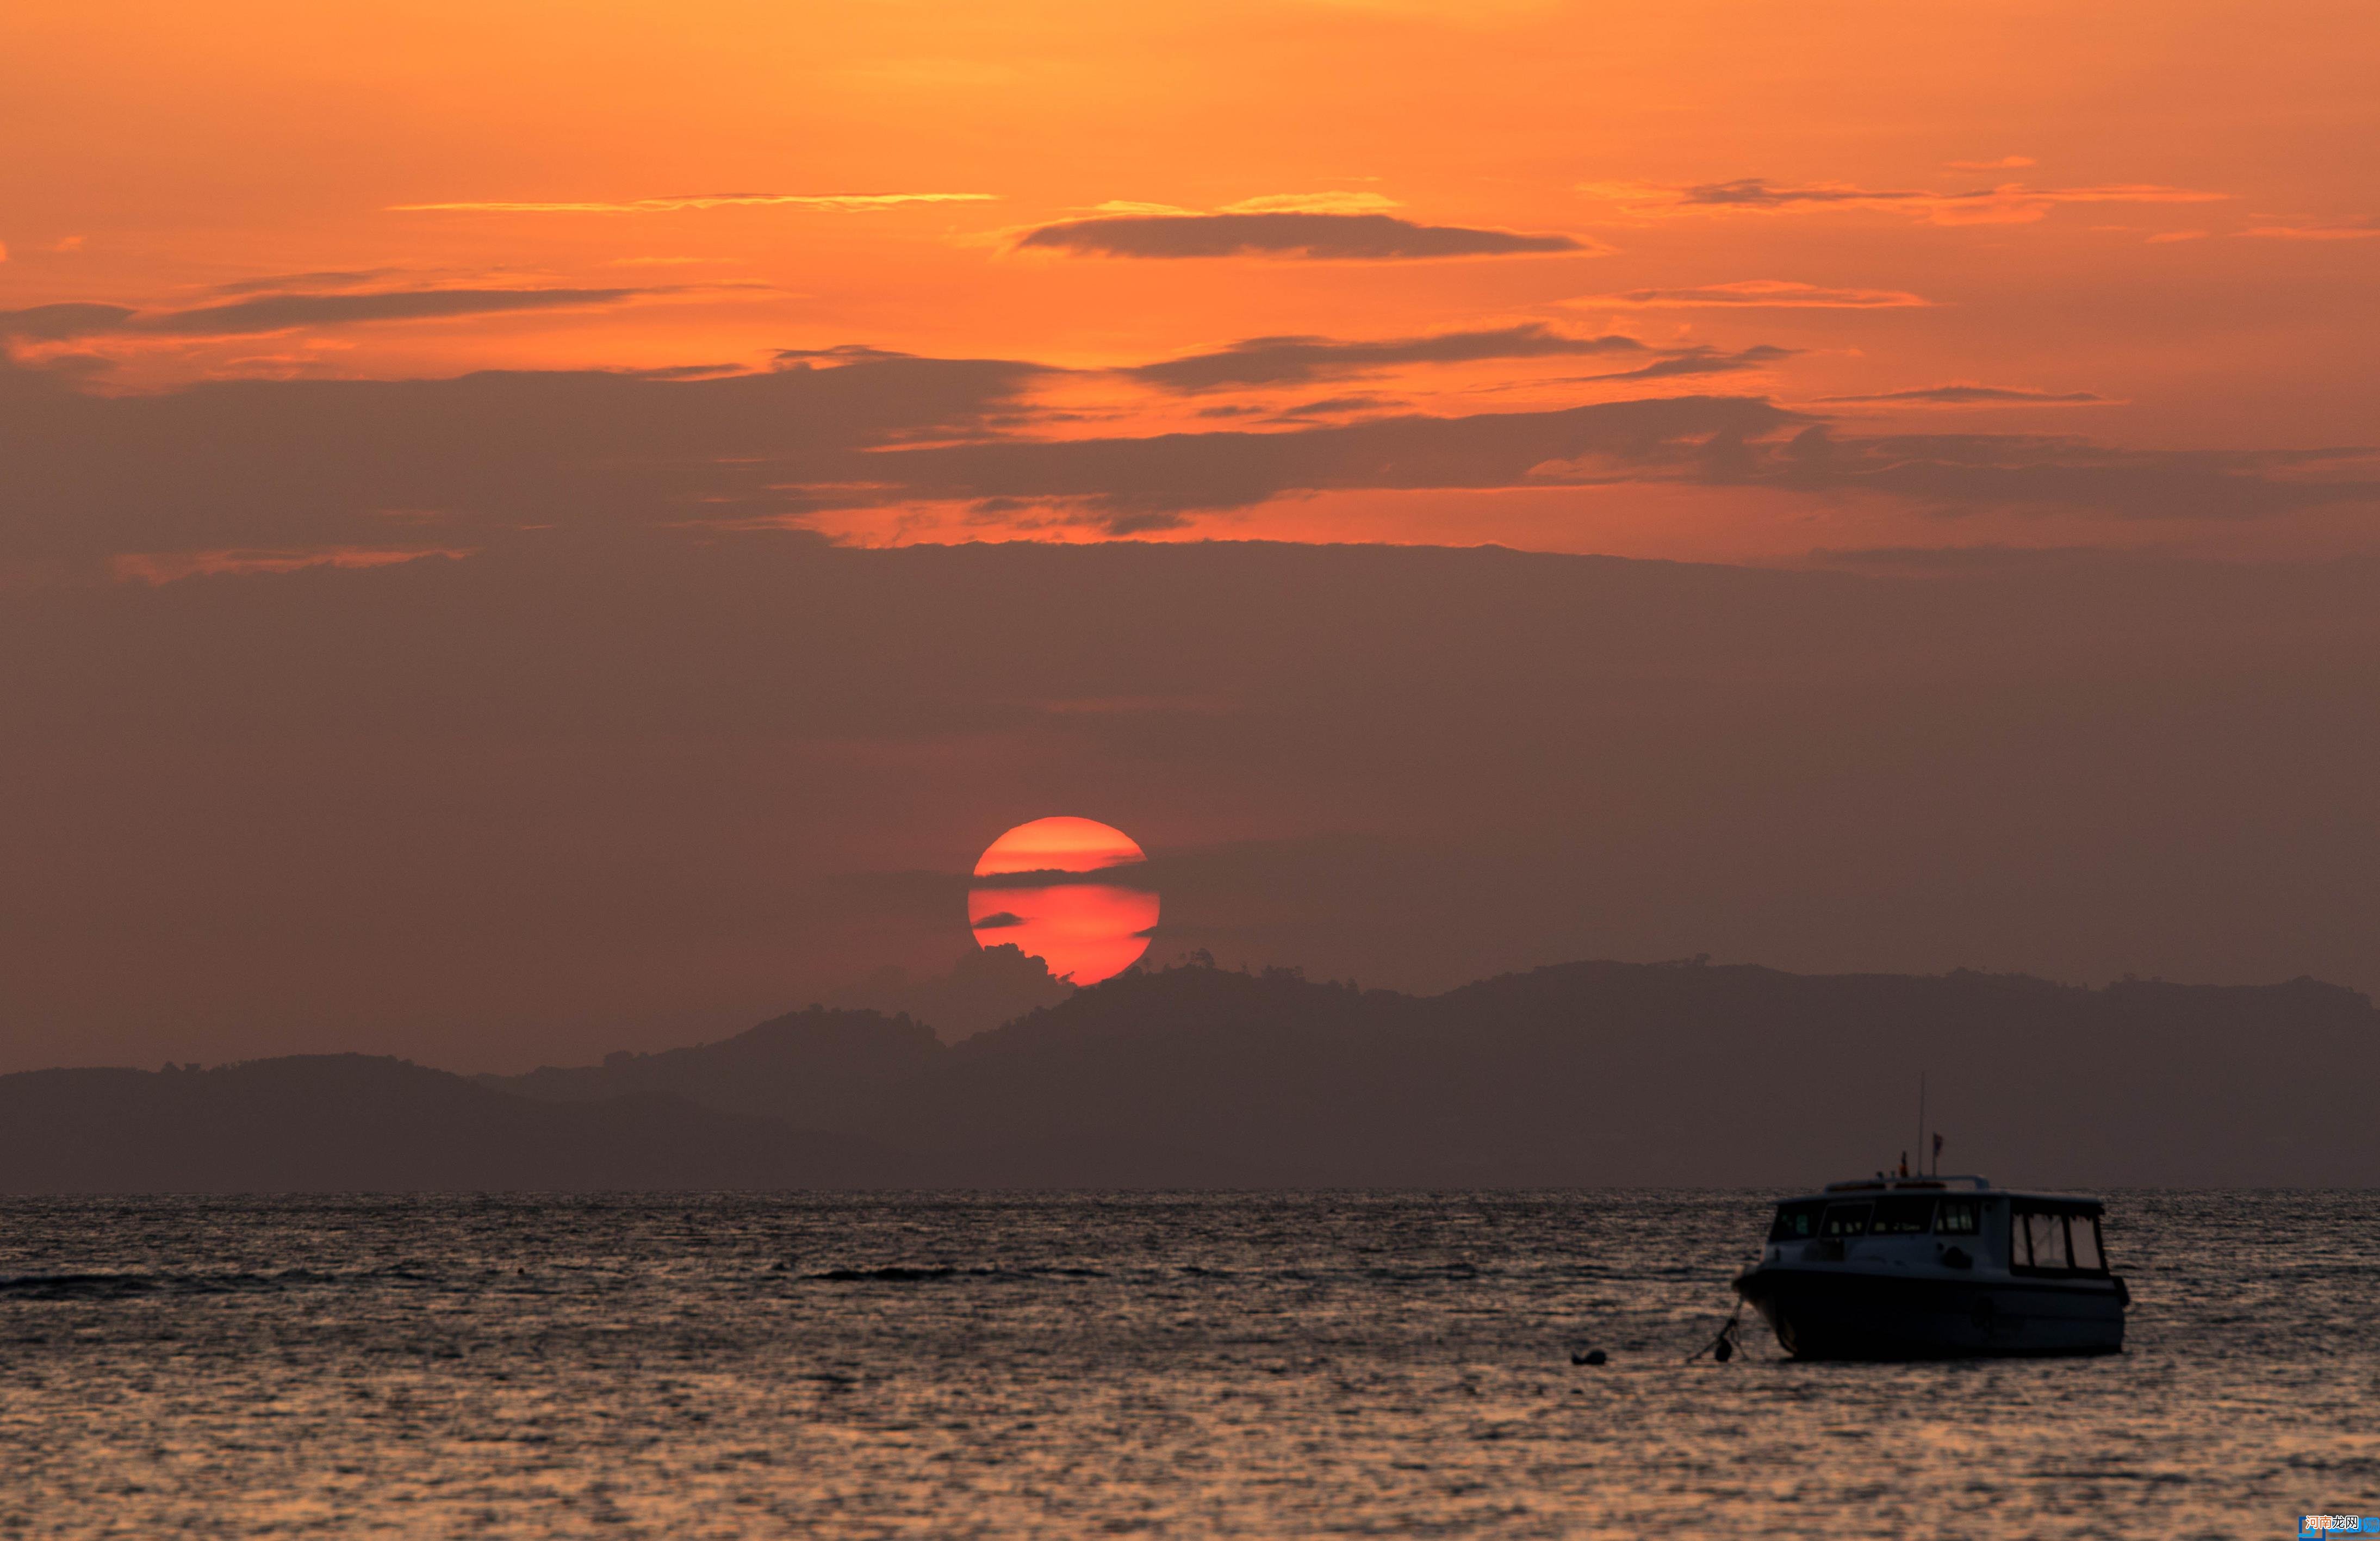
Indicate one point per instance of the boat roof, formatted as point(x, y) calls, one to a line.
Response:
point(1881, 1184)
point(1961, 1183)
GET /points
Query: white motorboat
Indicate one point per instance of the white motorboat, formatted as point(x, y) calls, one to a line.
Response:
point(1928, 1267)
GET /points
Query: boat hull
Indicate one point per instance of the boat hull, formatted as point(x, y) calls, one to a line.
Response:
point(1837, 1313)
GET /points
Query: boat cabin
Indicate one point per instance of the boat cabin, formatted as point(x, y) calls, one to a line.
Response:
point(1919, 1267)
point(1958, 1222)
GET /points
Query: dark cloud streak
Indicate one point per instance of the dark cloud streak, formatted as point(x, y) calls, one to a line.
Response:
point(2007, 203)
point(1341, 238)
point(1689, 362)
point(480, 460)
point(279, 464)
point(1142, 483)
point(55, 323)
point(1976, 395)
point(280, 312)
point(1293, 360)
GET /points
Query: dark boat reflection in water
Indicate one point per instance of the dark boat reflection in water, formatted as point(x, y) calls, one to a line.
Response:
point(1932, 1266)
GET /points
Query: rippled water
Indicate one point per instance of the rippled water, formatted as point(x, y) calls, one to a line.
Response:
point(1258, 1365)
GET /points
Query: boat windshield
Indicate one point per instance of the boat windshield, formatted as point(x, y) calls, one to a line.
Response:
point(1902, 1216)
point(1846, 1219)
point(1797, 1221)
point(1955, 1217)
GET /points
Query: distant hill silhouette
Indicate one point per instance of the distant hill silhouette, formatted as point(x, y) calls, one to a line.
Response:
point(1606, 1073)
point(985, 988)
point(349, 1123)
point(1582, 1074)
point(814, 1069)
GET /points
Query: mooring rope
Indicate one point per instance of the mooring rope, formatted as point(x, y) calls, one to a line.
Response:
point(1722, 1348)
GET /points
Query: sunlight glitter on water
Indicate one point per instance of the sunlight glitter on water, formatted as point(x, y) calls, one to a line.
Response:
point(1029, 1365)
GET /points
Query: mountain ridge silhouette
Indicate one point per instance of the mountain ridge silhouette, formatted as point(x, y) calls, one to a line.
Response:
point(1577, 1074)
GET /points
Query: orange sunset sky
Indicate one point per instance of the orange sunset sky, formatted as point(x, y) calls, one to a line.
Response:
point(2035, 274)
point(527, 529)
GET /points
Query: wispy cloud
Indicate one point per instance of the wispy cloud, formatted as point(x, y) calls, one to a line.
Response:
point(280, 312)
point(1686, 363)
point(1951, 474)
point(845, 202)
point(1325, 237)
point(55, 323)
point(1977, 396)
point(1292, 360)
point(2005, 163)
point(1455, 13)
point(1336, 406)
point(158, 567)
point(1268, 203)
point(1976, 559)
point(1756, 293)
point(329, 279)
point(2008, 203)
point(2364, 229)
point(1313, 204)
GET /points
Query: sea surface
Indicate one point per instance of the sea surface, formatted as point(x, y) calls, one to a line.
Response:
point(1258, 1365)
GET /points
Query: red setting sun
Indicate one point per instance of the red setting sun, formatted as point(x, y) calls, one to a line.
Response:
point(1084, 931)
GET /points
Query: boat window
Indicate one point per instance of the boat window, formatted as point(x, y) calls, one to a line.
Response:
point(2085, 1229)
point(2046, 1237)
point(1955, 1217)
point(1797, 1221)
point(1847, 1220)
point(1902, 1217)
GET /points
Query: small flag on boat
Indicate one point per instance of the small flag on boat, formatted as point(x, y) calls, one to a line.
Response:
point(1938, 1146)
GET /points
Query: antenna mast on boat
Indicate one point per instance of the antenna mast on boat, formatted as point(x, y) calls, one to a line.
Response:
point(1921, 1125)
